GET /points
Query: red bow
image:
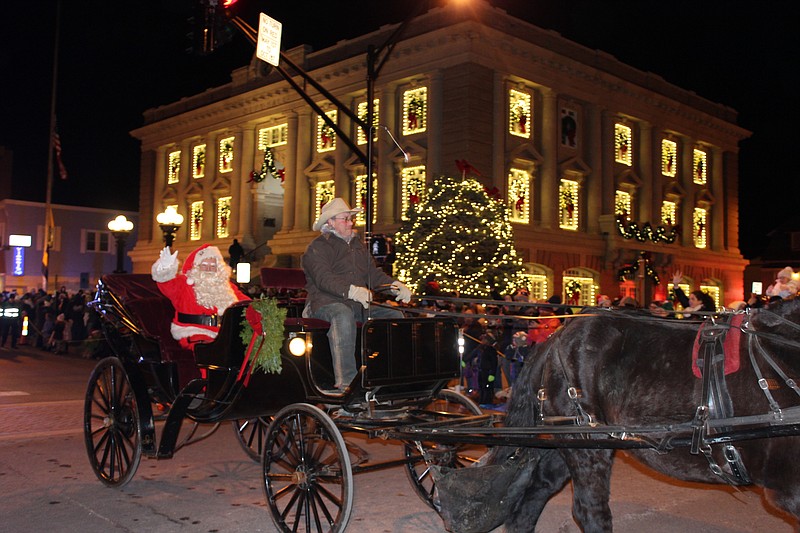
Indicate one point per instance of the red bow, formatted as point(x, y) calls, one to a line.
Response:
point(464, 167)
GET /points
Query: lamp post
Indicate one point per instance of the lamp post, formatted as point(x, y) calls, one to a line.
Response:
point(169, 221)
point(120, 227)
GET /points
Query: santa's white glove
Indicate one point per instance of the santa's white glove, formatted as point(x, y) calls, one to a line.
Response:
point(361, 295)
point(166, 266)
point(403, 292)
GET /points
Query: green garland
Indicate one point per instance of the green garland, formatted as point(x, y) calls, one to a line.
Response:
point(268, 350)
point(267, 168)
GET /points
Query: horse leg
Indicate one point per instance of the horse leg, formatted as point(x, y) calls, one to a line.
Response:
point(550, 477)
point(591, 488)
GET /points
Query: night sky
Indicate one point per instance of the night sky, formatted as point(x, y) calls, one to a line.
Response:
point(117, 59)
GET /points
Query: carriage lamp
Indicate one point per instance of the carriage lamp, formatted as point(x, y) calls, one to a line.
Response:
point(242, 272)
point(169, 221)
point(297, 344)
point(120, 227)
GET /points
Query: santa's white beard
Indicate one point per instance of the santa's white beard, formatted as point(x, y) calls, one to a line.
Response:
point(213, 290)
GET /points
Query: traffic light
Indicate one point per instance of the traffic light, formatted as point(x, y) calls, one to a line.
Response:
point(210, 25)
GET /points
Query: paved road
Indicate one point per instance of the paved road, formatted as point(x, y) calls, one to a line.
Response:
point(47, 485)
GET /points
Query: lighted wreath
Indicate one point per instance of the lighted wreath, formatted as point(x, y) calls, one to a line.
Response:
point(267, 169)
point(573, 286)
point(226, 154)
point(262, 333)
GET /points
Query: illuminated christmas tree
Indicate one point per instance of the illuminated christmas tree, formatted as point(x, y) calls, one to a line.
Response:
point(462, 237)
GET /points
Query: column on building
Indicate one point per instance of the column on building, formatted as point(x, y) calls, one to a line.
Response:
point(591, 144)
point(686, 166)
point(657, 179)
point(341, 177)
point(718, 214)
point(435, 118)
point(645, 199)
point(159, 188)
point(606, 155)
point(293, 172)
point(241, 222)
point(499, 165)
point(302, 188)
point(386, 169)
point(549, 169)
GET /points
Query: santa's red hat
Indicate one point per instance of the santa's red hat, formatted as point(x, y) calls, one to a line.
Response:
point(197, 256)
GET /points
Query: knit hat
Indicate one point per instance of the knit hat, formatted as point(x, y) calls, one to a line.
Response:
point(337, 206)
point(197, 256)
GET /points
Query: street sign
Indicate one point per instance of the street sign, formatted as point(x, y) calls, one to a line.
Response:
point(269, 40)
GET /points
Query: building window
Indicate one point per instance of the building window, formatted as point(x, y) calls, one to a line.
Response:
point(579, 287)
point(415, 110)
point(362, 114)
point(223, 216)
point(196, 221)
point(568, 204)
point(700, 227)
point(361, 198)
point(669, 158)
point(623, 144)
point(569, 128)
point(273, 136)
point(199, 161)
point(519, 113)
point(713, 291)
point(226, 154)
point(173, 167)
point(669, 213)
point(622, 204)
point(700, 167)
point(97, 241)
point(412, 188)
point(326, 137)
point(537, 282)
point(519, 196)
point(324, 192)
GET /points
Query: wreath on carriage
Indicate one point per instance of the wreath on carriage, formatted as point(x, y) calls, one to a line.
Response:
point(262, 333)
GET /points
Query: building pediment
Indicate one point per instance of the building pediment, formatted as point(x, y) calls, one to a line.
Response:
point(525, 153)
point(573, 166)
point(628, 177)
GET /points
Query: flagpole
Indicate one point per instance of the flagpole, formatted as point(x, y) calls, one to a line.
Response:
point(48, 218)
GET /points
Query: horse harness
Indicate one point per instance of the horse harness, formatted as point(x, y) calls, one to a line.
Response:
point(716, 402)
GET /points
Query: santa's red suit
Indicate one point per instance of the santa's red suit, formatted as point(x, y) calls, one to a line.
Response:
point(193, 322)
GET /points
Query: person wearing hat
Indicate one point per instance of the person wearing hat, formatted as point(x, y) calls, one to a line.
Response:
point(200, 293)
point(340, 277)
point(784, 285)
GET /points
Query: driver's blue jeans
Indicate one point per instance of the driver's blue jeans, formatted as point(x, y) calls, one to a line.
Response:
point(342, 337)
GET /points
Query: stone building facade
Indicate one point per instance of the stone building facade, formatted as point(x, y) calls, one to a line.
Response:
point(587, 152)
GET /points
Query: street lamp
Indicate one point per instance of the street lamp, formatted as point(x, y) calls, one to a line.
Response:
point(169, 221)
point(120, 227)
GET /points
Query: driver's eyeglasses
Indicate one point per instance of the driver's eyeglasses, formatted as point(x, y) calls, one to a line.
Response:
point(345, 219)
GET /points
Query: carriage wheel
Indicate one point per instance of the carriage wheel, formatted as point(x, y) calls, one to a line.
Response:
point(111, 424)
point(450, 455)
point(308, 480)
point(251, 434)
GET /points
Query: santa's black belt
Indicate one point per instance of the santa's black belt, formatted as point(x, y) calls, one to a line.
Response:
point(204, 320)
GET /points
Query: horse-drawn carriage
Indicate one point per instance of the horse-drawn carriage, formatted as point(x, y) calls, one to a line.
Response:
point(138, 399)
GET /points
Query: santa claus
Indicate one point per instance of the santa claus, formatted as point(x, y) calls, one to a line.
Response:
point(200, 293)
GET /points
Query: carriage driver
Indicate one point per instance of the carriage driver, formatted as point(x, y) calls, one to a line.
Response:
point(340, 275)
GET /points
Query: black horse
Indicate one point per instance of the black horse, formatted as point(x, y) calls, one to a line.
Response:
point(624, 370)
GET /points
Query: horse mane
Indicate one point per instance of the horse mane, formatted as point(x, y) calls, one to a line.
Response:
point(777, 312)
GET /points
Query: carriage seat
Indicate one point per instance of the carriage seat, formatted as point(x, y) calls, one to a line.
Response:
point(290, 282)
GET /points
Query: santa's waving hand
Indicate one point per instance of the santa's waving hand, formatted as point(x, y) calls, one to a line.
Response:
point(200, 293)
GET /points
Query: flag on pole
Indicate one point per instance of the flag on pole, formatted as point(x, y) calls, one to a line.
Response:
point(62, 170)
point(49, 229)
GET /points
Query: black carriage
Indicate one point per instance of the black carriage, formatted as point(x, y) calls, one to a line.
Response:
point(138, 399)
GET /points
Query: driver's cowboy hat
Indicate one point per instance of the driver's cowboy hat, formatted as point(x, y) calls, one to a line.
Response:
point(335, 207)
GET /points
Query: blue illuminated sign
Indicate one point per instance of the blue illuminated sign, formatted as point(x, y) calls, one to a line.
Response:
point(19, 261)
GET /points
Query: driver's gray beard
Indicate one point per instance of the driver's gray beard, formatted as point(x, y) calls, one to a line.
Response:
point(214, 291)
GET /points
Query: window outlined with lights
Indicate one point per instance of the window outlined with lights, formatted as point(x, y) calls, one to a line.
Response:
point(326, 136)
point(519, 113)
point(196, 220)
point(538, 281)
point(699, 167)
point(361, 198)
point(413, 187)
point(580, 287)
point(226, 154)
point(519, 195)
point(273, 136)
point(713, 291)
point(669, 213)
point(415, 110)
point(324, 192)
point(669, 158)
point(700, 227)
point(568, 204)
point(623, 144)
point(622, 205)
point(199, 161)
point(361, 113)
point(223, 216)
point(173, 167)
